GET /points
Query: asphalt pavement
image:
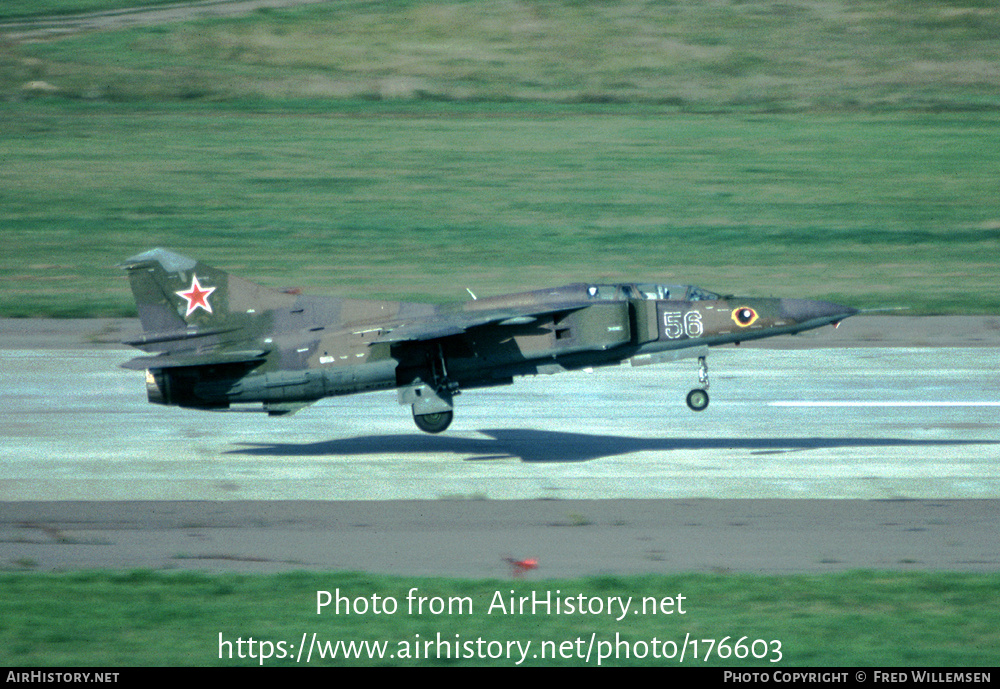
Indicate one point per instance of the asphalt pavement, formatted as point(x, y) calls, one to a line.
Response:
point(600, 472)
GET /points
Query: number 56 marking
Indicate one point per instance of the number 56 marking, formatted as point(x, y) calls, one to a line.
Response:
point(677, 324)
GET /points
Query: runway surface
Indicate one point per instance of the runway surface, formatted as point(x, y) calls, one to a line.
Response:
point(816, 423)
point(601, 472)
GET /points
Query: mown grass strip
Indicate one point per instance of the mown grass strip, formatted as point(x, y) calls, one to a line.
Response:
point(140, 618)
point(420, 200)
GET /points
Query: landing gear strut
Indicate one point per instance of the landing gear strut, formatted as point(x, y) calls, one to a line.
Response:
point(697, 399)
point(432, 404)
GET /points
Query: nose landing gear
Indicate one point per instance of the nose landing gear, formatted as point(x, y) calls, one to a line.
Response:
point(697, 399)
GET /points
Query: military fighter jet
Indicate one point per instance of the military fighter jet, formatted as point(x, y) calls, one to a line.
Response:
point(217, 340)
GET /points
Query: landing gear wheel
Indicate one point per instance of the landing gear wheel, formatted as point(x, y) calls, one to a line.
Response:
point(433, 423)
point(697, 399)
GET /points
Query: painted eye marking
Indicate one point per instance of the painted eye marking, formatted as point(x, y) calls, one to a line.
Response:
point(744, 316)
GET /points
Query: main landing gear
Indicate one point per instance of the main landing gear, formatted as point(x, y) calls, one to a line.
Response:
point(433, 423)
point(432, 403)
point(697, 399)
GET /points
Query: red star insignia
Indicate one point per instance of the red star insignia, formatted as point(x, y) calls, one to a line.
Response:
point(196, 296)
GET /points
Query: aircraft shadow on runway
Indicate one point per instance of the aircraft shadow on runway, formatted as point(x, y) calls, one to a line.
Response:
point(554, 446)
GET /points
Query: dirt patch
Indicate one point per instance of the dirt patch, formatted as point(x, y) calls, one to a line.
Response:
point(33, 29)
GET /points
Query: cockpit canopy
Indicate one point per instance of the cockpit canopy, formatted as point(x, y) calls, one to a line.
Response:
point(647, 290)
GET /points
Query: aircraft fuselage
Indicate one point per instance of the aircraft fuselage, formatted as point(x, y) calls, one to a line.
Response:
point(225, 341)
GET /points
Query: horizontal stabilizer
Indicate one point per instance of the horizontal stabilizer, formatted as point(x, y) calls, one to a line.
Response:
point(175, 336)
point(208, 359)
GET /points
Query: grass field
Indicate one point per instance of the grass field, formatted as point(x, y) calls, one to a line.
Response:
point(422, 200)
point(815, 148)
point(144, 618)
point(774, 56)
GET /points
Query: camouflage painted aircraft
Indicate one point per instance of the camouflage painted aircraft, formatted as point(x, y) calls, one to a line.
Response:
point(217, 340)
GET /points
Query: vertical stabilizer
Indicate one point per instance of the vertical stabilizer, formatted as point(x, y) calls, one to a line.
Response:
point(173, 292)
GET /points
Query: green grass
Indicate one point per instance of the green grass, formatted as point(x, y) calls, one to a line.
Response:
point(789, 56)
point(20, 9)
point(142, 618)
point(422, 200)
point(812, 148)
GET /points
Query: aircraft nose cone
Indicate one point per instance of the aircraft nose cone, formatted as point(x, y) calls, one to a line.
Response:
point(815, 312)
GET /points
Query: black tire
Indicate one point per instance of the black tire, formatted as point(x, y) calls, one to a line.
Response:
point(433, 423)
point(697, 399)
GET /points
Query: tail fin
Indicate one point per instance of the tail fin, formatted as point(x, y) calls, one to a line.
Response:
point(173, 292)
